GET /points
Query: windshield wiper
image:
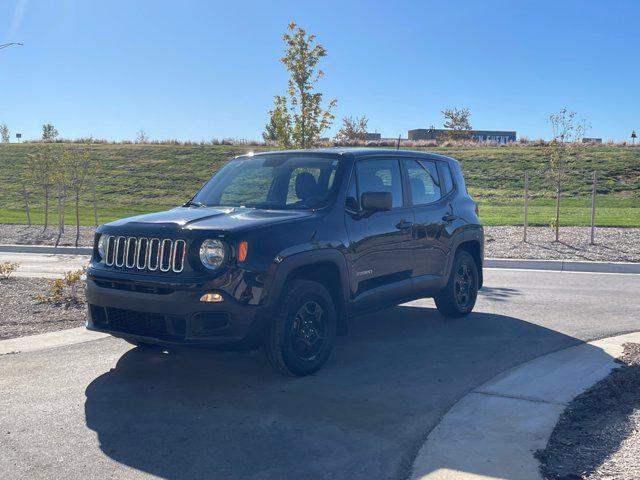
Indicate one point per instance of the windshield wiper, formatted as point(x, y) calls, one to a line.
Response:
point(194, 203)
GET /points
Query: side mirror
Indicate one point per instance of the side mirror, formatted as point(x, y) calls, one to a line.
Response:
point(376, 201)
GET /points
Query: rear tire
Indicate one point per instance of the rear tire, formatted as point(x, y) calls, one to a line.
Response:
point(459, 296)
point(301, 336)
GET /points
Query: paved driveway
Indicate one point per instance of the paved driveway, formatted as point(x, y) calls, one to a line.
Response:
point(106, 410)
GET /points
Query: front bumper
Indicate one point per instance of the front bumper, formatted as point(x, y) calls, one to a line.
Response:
point(153, 313)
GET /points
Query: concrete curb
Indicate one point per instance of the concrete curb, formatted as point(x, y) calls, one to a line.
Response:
point(564, 265)
point(494, 431)
point(46, 249)
point(44, 341)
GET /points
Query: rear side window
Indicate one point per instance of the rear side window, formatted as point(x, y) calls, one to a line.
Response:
point(380, 175)
point(447, 178)
point(423, 181)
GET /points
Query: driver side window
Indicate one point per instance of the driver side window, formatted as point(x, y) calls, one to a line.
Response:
point(303, 184)
point(380, 175)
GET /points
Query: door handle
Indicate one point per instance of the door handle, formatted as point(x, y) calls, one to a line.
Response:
point(449, 218)
point(404, 225)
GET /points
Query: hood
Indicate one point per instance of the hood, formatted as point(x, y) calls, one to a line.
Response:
point(211, 218)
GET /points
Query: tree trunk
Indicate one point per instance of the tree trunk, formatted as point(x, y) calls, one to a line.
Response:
point(46, 207)
point(63, 210)
point(26, 204)
point(95, 207)
point(558, 214)
point(77, 216)
point(59, 195)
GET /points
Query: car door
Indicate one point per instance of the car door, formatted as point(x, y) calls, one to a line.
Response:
point(433, 217)
point(380, 243)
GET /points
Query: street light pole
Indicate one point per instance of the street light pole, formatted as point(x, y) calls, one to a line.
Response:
point(5, 45)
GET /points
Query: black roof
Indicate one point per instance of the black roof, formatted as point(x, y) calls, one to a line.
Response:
point(360, 152)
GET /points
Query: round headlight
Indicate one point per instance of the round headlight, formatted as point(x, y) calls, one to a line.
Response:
point(212, 253)
point(102, 246)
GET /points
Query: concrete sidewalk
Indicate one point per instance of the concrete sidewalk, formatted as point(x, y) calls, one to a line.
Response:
point(44, 265)
point(494, 431)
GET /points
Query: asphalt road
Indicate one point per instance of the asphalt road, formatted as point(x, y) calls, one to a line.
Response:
point(106, 410)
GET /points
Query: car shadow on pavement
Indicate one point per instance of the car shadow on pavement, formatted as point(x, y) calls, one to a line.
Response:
point(498, 293)
point(204, 414)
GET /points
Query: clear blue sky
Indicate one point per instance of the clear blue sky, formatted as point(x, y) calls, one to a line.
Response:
point(202, 69)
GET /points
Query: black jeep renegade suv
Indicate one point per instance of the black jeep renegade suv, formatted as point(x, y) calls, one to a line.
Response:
point(280, 249)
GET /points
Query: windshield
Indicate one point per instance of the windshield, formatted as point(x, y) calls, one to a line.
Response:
point(276, 182)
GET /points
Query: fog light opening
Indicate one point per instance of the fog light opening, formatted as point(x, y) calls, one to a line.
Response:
point(211, 297)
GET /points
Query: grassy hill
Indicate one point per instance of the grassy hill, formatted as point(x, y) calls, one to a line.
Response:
point(144, 178)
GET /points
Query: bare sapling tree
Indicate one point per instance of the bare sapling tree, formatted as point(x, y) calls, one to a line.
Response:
point(141, 137)
point(352, 130)
point(298, 119)
point(4, 133)
point(456, 120)
point(25, 194)
point(562, 151)
point(39, 172)
point(79, 169)
point(49, 132)
point(61, 178)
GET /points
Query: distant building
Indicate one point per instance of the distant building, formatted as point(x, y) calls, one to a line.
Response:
point(591, 140)
point(371, 136)
point(481, 135)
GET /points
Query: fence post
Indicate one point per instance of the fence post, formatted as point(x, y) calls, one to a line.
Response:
point(26, 203)
point(526, 204)
point(593, 208)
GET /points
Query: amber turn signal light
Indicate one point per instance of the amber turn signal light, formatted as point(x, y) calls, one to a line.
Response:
point(243, 249)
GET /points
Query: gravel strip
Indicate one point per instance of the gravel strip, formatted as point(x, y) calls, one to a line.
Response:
point(34, 235)
point(598, 435)
point(22, 315)
point(612, 244)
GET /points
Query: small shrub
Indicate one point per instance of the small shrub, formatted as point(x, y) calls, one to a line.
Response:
point(64, 291)
point(7, 268)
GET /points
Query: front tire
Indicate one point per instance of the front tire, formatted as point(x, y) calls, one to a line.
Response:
point(302, 334)
point(459, 296)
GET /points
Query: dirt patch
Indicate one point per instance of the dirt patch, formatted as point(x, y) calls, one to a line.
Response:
point(598, 435)
point(22, 315)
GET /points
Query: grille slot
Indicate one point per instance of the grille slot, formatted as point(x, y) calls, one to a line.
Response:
point(152, 254)
point(141, 323)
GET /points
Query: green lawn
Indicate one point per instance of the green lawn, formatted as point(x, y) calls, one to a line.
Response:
point(135, 179)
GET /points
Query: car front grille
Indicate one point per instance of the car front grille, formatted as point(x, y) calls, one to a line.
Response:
point(141, 253)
